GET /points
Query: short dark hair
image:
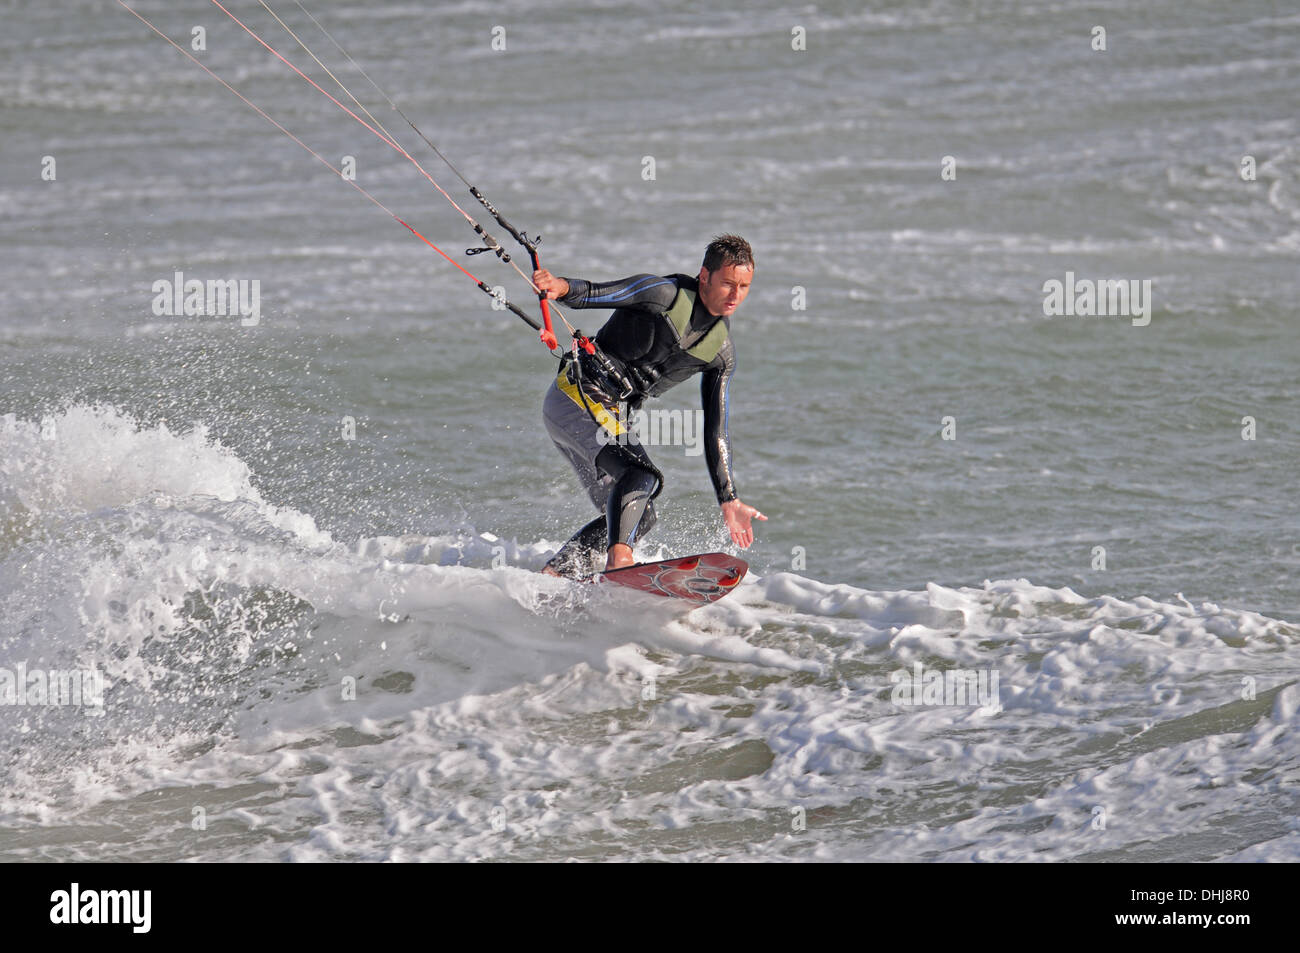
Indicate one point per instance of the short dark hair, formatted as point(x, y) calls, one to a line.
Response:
point(728, 250)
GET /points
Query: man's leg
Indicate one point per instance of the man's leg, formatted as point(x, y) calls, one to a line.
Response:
point(576, 558)
point(571, 430)
point(630, 514)
point(619, 481)
point(629, 510)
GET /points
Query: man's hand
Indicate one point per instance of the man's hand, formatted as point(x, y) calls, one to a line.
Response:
point(552, 286)
point(738, 515)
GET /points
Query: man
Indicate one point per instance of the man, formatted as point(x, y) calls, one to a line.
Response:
point(664, 330)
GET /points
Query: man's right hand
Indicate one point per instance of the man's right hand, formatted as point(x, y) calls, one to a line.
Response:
point(552, 286)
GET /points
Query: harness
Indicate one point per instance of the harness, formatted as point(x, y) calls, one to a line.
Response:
point(570, 381)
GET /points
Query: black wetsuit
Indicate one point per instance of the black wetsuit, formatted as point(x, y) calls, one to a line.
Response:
point(648, 356)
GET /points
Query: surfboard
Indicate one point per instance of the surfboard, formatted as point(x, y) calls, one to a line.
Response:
point(699, 579)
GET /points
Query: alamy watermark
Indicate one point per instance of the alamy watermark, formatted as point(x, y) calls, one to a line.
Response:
point(214, 298)
point(1125, 297)
point(74, 688)
point(76, 905)
point(938, 687)
point(658, 428)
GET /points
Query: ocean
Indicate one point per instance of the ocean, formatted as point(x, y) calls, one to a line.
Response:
point(1027, 590)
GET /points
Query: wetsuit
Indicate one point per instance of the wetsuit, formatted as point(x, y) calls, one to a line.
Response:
point(659, 335)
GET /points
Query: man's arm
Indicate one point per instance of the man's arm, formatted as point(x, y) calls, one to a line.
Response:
point(714, 385)
point(639, 290)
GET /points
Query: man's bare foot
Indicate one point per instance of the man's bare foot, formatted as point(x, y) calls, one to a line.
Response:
point(618, 556)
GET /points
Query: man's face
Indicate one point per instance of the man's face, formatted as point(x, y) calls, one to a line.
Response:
point(724, 289)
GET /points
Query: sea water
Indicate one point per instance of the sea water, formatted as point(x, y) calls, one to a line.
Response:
point(1027, 589)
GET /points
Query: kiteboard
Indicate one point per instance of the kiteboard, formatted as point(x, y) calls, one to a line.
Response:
point(700, 579)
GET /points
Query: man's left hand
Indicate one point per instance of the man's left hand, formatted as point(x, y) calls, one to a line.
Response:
point(738, 516)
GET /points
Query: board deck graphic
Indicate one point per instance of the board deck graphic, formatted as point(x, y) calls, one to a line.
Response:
point(700, 579)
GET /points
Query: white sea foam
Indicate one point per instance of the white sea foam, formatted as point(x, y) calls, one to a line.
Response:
point(501, 713)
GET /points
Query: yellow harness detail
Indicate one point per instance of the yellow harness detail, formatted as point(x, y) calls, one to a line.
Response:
point(604, 416)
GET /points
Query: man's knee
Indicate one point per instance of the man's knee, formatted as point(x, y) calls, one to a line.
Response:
point(619, 461)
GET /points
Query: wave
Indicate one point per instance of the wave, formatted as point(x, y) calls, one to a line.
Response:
point(259, 668)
